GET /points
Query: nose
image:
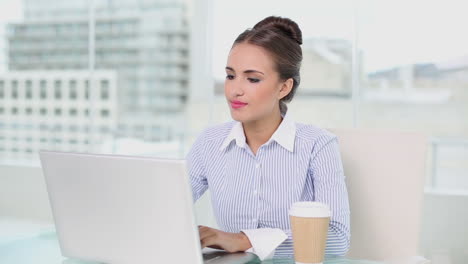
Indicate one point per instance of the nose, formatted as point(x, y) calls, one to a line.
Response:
point(234, 88)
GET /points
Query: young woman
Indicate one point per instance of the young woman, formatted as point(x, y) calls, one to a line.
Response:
point(258, 165)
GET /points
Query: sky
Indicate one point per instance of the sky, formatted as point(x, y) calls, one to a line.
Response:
point(391, 32)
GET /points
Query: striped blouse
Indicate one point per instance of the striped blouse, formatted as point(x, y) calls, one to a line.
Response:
point(253, 193)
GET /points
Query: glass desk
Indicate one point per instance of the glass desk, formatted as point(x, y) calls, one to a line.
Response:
point(44, 249)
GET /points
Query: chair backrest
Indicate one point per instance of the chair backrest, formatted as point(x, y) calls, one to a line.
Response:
point(385, 173)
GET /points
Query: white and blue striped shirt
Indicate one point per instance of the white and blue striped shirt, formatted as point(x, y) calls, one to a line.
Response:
point(254, 192)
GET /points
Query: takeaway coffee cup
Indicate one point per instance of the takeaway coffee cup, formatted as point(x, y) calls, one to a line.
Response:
point(309, 224)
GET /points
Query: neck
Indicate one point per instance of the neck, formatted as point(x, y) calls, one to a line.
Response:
point(259, 132)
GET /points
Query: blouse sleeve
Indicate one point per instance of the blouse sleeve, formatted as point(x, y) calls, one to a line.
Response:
point(197, 169)
point(326, 170)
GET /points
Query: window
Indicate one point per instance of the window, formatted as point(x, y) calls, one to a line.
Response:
point(104, 129)
point(72, 112)
point(86, 93)
point(104, 89)
point(58, 89)
point(2, 89)
point(14, 89)
point(73, 92)
point(43, 89)
point(29, 91)
point(104, 113)
point(28, 84)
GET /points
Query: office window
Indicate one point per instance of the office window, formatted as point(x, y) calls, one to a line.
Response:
point(29, 91)
point(43, 89)
point(72, 112)
point(104, 113)
point(73, 92)
point(2, 89)
point(104, 90)
point(57, 89)
point(73, 128)
point(14, 89)
point(104, 129)
point(28, 84)
point(86, 94)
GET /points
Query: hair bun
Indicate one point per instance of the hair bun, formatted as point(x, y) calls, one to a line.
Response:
point(285, 25)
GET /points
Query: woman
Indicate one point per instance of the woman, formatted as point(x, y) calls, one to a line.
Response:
point(260, 164)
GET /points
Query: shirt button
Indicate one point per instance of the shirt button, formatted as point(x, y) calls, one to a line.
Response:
point(257, 165)
point(255, 192)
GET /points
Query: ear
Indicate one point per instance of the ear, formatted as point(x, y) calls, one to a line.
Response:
point(286, 88)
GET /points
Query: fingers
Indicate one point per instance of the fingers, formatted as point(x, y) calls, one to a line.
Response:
point(208, 241)
point(205, 232)
point(209, 237)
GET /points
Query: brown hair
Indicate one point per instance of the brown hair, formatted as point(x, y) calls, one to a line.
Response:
point(282, 38)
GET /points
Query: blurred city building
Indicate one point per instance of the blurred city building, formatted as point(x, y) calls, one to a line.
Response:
point(145, 43)
point(44, 110)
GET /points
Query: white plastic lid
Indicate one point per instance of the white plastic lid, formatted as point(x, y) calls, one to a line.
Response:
point(309, 209)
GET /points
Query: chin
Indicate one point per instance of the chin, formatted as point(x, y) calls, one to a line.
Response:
point(242, 117)
point(238, 116)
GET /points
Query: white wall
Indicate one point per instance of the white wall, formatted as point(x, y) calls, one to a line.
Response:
point(23, 194)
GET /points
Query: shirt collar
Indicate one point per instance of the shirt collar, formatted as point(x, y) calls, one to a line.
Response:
point(284, 135)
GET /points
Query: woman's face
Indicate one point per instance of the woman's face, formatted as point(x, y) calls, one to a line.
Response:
point(252, 86)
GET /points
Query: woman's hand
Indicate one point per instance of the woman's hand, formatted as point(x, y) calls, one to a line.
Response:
point(231, 242)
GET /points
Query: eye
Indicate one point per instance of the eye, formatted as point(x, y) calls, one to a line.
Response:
point(253, 80)
point(229, 77)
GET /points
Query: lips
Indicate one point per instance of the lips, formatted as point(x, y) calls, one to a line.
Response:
point(237, 104)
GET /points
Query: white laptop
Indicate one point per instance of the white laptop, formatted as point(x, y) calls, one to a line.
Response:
point(121, 209)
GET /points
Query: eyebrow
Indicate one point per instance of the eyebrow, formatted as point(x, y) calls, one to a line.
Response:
point(246, 71)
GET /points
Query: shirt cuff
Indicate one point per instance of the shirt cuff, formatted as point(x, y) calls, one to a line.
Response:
point(264, 241)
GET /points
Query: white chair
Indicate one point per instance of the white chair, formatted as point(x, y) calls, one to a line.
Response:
point(385, 173)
